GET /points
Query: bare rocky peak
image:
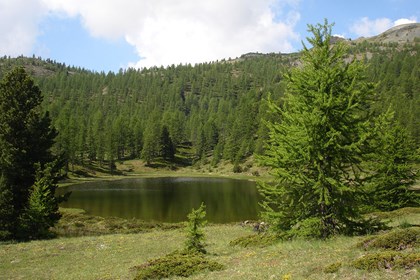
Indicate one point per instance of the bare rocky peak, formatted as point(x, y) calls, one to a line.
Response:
point(405, 33)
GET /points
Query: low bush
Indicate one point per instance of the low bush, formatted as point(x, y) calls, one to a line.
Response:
point(387, 260)
point(255, 240)
point(332, 268)
point(237, 168)
point(182, 264)
point(396, 213)
point(394, 240)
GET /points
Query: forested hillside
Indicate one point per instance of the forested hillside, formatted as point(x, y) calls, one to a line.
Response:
point(216, 109)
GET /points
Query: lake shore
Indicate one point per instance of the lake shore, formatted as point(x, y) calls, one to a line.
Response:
point(138, 169)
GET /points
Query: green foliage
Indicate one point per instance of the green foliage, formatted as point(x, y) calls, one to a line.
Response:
point(152, 140)
point(167, 145)
point(396, 213)
point(255, 240)
point(42, 211)
point(394, 162)
point(387, 260)
point(333, 268)
point(308, 228)
point(317, 142)
point(396, 73)
point(195, 234)
point(211, 105)
point(237, 168)
point(404, 224)
point(183, 264)
point(399, 239)
point(26, 139)
point(6, 210)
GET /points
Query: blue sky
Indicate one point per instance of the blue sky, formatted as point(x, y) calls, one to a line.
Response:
point(66, 40)
point(106, 35)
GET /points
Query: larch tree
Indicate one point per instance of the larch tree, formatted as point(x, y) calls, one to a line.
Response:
point(393, 164)
point(167, 147)
point(318, 142)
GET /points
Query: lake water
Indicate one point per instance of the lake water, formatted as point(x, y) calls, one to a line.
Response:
point(167, 199)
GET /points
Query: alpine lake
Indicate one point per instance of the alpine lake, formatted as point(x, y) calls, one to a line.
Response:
point(167, 199)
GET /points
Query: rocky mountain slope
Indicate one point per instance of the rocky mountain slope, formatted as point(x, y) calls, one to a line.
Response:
point(405, 33)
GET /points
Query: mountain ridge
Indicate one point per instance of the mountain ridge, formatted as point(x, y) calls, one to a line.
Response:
point(401, 34)
point(404, 33)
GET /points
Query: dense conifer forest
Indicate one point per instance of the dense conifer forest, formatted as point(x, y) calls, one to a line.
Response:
point(337, 125)
point(213, 109)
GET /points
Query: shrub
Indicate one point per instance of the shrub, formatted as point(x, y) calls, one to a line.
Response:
point(395, 240)
point(387, 260)
point(396, 213)
point(237, 168)
point(405, 224)
point(332, 268)
point(182, 264)
point(255, 240)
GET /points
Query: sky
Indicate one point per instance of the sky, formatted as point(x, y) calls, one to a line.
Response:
point(108, 35)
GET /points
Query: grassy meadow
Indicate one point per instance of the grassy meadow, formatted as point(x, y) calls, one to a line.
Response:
point(110, 255)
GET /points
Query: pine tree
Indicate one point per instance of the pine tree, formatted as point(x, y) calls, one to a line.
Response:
point(316, 145)
point(26, 137)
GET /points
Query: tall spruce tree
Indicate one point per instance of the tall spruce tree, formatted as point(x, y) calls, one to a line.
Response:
point(318, 142)
point(26, 137)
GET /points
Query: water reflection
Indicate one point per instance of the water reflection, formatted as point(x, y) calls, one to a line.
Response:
point(167, 199)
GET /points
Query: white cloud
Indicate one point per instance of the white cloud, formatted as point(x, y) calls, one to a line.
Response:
point(188, 31)
point(19, 21)
point(214, 34)
point(366, 27)
point(405, 21)
point(370, 27)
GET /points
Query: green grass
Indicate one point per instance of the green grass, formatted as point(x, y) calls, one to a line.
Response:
point(75, 222)
point(116, 256)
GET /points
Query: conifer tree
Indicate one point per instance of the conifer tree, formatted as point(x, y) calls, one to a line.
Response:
point(195, 237)
point(26, 137)
point(317, 144)
point(6, 210)
point(394, 165)
point(42, 210)
point(152, 143)
point(166, 145)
